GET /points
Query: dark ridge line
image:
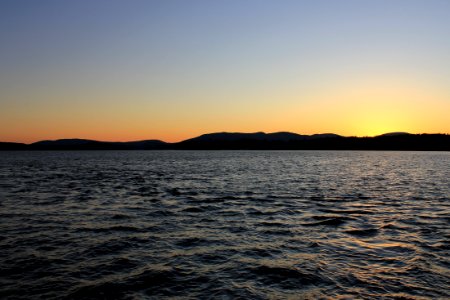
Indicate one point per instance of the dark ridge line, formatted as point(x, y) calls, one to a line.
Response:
point(255, 141)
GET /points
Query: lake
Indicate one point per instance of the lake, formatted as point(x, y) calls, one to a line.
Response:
point(225, 224)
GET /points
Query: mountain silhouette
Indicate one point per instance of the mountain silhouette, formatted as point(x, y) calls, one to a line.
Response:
point(257, 136)
point(80, 144)
point(394, 133)
point(257, 140)
point(13, 146)
point(254, 141)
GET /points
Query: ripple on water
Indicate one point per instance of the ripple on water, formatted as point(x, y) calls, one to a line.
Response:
point(370, 232)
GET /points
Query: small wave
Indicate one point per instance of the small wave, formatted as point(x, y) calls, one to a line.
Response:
point(192, 242)
point(346, 211)
point(371, 232)
point(123, 228)
point(260, 252)
point(147, 280)
point(120, 217)
point(194, 209)
point(287, 277)
point(327, 221)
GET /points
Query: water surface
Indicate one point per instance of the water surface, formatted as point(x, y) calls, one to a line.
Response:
point(225, 224)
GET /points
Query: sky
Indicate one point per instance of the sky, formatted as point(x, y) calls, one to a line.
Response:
point(174, 69)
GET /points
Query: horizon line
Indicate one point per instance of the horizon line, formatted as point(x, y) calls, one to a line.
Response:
point(226, 132)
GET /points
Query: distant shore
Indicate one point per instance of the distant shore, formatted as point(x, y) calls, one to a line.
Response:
point(254, 141)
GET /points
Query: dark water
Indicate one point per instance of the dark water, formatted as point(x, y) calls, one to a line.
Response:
point(225, 225)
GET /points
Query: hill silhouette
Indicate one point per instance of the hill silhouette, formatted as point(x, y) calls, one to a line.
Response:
point(80, 144)
point(255, 141)
point(13, 146)
point(257, 136)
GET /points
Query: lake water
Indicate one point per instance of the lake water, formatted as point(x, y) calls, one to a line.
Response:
point(225, 225)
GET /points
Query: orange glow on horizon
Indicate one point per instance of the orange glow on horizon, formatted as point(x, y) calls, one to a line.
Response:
point(348, 108)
